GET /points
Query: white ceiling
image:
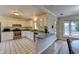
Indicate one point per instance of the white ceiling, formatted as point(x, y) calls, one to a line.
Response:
point(27, 11)
point(66, 10)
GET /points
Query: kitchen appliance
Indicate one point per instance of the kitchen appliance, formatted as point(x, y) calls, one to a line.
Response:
point(17, 31)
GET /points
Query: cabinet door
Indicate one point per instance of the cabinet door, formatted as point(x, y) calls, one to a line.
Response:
point(29, 35)
point(3, 36)
point(23, 34)
point(9, 35)
point(6, 36)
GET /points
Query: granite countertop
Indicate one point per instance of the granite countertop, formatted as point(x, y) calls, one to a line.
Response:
point(32, 30)
point(9, 29)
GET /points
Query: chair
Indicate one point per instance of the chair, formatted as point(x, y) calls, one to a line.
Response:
point(70, 47)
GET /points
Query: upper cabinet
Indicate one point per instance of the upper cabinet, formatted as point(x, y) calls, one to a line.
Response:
point(41, 22)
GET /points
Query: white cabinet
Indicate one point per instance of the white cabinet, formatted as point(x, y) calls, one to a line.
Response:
point(9, 35)
point(23, 34)
point(27, 34)
point(3, 36)
point(6, 36)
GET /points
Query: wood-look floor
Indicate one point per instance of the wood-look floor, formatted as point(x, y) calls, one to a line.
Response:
point(62, 48)
point(19, 46)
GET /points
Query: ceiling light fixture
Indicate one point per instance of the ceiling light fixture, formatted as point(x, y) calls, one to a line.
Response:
point(15, 13)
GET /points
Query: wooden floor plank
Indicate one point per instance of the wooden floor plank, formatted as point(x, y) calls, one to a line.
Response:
point(7, 49)
point(2, 50)
point(32, 45)
point(1, 44)
point(25, 48)
point(28, 47)
point(25, 44)
point(12, 48)
point(16, 47)
point(19, 46)
point(26, 51)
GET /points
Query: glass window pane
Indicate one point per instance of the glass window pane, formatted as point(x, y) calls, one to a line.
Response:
point(66, 28)
point(75, 28)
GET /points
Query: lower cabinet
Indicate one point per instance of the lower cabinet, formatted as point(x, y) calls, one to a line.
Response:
point(27, 34)
point(9, 35)
point(6, 36)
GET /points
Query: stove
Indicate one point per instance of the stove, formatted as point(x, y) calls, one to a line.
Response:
point(17, 32)
point(17, 35)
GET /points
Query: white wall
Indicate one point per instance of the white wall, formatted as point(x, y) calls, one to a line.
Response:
point(51, 21)
point(70, 17)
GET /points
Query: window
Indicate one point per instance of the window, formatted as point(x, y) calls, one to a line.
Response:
point(71, 28)
point(75, 28)
point(66, 28)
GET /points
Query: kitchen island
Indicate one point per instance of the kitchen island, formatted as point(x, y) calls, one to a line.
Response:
point(43, 41)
